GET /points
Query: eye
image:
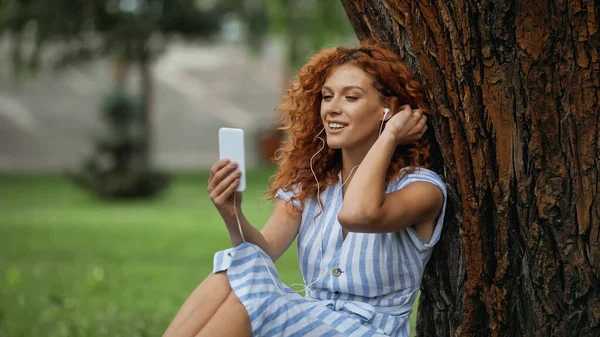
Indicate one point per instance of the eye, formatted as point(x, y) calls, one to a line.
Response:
point(327, 97)
point(351, 98)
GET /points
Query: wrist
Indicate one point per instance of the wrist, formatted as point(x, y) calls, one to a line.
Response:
point(229, 214)
point(389, 138)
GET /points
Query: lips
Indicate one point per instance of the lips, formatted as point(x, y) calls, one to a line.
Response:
point(335, 126)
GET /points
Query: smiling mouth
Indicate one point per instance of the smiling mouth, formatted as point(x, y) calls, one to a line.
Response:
point(336, 126)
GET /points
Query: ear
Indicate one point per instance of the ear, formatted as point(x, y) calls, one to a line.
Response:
point(386, 112)
point(391, 103)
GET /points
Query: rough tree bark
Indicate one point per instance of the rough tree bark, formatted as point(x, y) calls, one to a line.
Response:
point(516, 88)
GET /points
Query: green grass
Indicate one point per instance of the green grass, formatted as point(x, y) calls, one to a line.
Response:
point(72, 265)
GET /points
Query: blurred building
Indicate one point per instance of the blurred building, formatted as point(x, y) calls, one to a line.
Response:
point(47, 122)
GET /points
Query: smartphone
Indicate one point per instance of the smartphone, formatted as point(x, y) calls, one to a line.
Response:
point(231, 145)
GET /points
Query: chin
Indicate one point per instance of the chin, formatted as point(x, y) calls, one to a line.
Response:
point(334, 145)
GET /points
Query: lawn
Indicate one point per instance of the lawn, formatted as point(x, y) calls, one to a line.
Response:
point(71, 265)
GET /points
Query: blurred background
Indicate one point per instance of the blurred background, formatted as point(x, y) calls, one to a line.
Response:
point(109, 113)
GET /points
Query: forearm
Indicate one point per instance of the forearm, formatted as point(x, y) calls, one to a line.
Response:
point(366, 192)
point(251, 234)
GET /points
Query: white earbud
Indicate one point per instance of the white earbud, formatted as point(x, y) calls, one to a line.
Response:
point(385, 112)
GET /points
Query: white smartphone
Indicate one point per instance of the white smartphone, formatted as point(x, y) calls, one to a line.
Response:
point(231, 145)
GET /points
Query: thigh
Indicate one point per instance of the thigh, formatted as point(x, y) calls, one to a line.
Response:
point(200, 306)
point(231, 320)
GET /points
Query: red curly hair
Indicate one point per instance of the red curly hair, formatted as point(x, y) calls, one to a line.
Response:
point(302, 104)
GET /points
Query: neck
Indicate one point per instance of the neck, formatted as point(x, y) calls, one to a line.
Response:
point(349, 161)
point(351, 157)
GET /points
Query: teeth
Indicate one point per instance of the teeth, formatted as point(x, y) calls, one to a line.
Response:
point(336, 126)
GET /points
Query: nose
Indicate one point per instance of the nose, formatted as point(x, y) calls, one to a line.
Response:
point(332, 107)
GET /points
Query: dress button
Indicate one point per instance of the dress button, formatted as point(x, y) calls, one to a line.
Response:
point(336, 272)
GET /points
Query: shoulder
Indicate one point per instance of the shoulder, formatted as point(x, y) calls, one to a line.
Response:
point(289, 194)
point(410, 175)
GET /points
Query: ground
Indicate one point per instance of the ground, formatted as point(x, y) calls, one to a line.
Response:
point(71, 265)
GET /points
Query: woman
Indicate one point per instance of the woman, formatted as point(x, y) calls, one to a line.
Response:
point(363, 244)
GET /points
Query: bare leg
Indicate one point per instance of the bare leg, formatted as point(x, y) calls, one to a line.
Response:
point(231, 320)
point(200, 306)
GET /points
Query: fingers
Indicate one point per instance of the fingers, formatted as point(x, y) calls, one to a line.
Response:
point(217, 166)
point(418, 118)
point(406, 111)
point(420, 122)
point(220, 199)
point(405, 117)
point(411, 122)
point(219, 172)
point(416, 114)
point(421, 126)
point(224, 180)
point(224, 184)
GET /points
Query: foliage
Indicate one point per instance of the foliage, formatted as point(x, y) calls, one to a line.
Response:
point(118, 168)
point(84, 30)
point(133, 32)
point(303, 26)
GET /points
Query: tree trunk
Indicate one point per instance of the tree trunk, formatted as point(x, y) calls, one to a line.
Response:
point(146, 103)
point(516, 88)
point(120, 70)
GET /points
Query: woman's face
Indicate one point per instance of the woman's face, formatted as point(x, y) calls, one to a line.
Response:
point(351, 109)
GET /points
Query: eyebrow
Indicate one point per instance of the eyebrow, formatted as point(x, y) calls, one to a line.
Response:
point(346, 88)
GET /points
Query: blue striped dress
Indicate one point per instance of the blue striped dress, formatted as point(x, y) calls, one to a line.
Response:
point(363, 285)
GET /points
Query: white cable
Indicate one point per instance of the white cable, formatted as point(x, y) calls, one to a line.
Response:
point(236, 216)
point(253, 246)
point(305, 287)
